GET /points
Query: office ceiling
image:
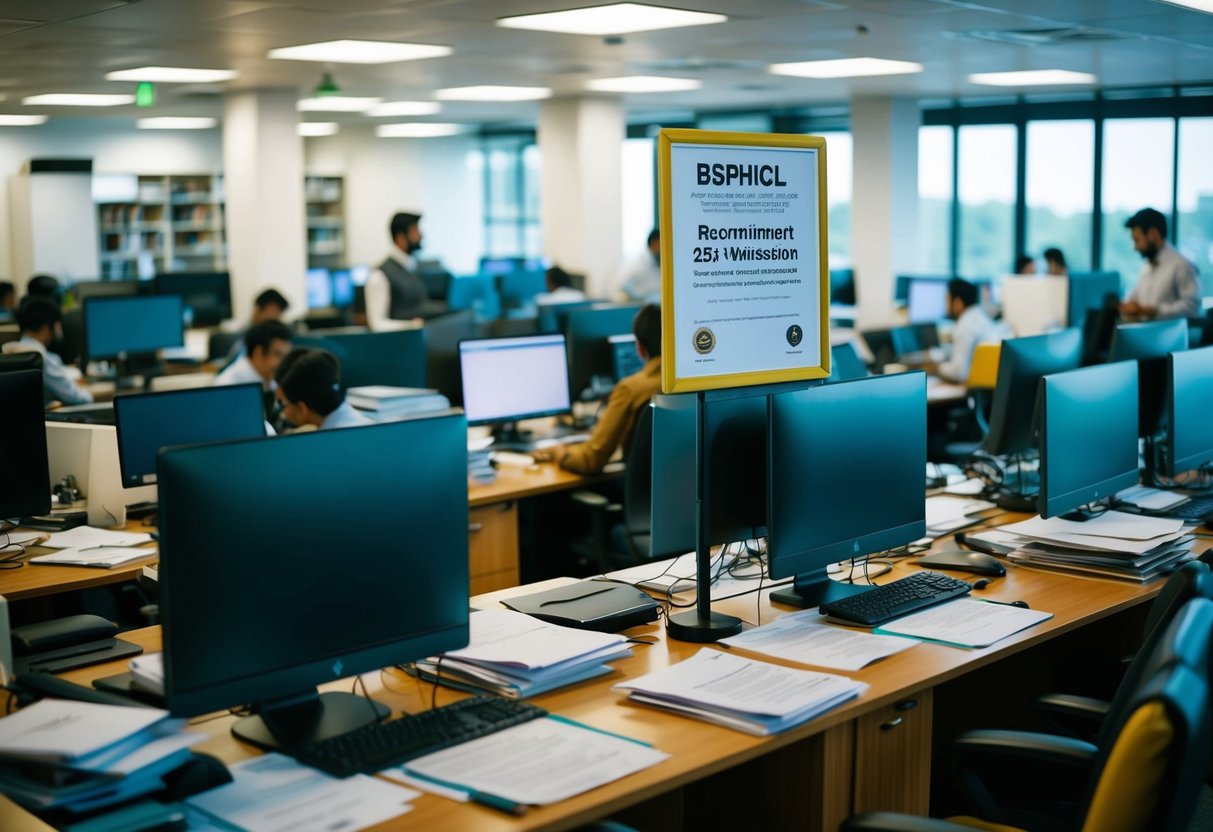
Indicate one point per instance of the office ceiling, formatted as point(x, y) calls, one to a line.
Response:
point(68, 46)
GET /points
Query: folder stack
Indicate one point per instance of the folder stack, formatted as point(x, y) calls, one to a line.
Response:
point(386, 404)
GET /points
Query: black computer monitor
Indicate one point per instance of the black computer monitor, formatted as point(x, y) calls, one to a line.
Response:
point(1088, 437)
point(518, 288)
point(880, 345)
point(927, 300)
point(845, 363)
point(207, 295)
point(1149, 344)
point(395, 358)
point(844, 478)
point(85, 289)
point(1021, 364)
point(1189, 427)
point(275, 599)
point(589, 350)
point(148, 422)
point(842, 286)
point(118, 327)
point(442, 337)
point(506, 380)
point(25, 487)
point(435, 278)
point(1086, 292)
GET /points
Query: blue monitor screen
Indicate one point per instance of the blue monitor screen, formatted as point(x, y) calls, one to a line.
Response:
point(122, 326)
point(343, 288)
point(319, 289)
point(927, 301)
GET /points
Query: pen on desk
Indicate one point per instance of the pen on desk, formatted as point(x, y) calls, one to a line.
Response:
point(499, 803)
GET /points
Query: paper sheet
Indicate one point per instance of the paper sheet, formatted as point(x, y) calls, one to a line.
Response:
point(539, 762)
point(945, 514)
point(1115, 524)
point(965, 623)
point(104, 557)
point(514, 639)
point(84, 536)
point(274, 793)
point(807, 638)
point(1151, 499)
point(59, 729)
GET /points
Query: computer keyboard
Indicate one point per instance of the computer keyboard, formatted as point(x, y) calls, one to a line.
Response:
point(1197, 508)
point(904, 596)
point(384, 744)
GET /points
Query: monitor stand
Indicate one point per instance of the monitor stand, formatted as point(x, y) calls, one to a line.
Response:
point(508, 437)
point(812, 589)
point(282, 726)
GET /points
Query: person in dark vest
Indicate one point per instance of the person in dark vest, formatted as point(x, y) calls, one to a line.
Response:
point(395, 294)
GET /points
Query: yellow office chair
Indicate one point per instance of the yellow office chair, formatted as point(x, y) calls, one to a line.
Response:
point(983, 376)
point(1148, 778)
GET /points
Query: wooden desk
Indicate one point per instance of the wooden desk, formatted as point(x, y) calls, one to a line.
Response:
point(854, 758)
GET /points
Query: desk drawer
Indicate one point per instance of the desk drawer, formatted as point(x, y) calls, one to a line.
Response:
point(493, 547)
point(893, 757)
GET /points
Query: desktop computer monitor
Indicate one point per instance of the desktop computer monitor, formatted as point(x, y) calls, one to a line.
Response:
point(589, 350)
point(1189, 427)
point(499, 265)
point(319, 289)
point(25, 488)
point(842, 286)
point(844, 478)
point(845, 363)
point(343, 288)
point(518, 288)
point(1088, 437)
point(554, 317)
point(262, 598)
point(442, 338)
point(881, 345)
point(1086, 292)
point(360, 274)
point(1033, 305)
point(506, 380)
point(148, 422)
point(1022, 363)
point(395, 358)
point(118, 327)
point(1149, 344)
point(927, 300)
point(624, 359)
point(207, 295)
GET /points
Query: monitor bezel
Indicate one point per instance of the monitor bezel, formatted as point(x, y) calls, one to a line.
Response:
point(93, 303)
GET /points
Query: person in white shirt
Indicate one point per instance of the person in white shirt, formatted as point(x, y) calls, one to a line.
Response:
point(1167, 286)
point(265, 346)
point(395, 294)
point(310, 392)
point(642, 278)
point(41, 324)
point(973, 327)
point(560, 288)
point(269, 305)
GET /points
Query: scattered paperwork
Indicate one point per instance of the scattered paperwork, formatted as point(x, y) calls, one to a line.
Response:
point(86, 536)
point(273, 793)
point(22, 538)
point(806, 638)
point(750, 696)
point(947, 514)
point(539, 762)
point(1111, 524)
point(965, 488)
point(58, 730)
point(1151, 499)
point(965, 622)
point(96, 557)
point(1113, 545)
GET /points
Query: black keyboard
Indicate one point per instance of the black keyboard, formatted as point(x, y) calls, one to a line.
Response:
point(385, 744)
point(1197, 508)
point(904, 596)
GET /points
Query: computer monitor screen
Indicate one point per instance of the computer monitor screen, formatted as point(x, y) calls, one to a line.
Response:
point(1149, 344)
point(124, 326)
point(150, 421)
point(343, 288)
point(319, 289)
point(499, 265)
point(1033, 305)
point(395, 358)
point(207, 295)
point(360, 274)
point(927, 300)
point(845, 363)
point(554, 317)
point(624, 357)
point(276, 599)
point(518, 288)
point(1189, 443)
point(589, 349)
point(442, 338)
point(1086, 293)
point(25, 488)
point(507, 379)
point(1088, 436)
point(1021, 364)
point(842, 286)
point(880, 345)
point(844, 467)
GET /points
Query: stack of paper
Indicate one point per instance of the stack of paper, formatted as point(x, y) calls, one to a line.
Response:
point(516, 656)
point(806, 637)
point(81, 756)
point(751, 696)
point(95, 557)
point(480, 465)
point(1114, 544)
point(947, 514)
point(385, 402)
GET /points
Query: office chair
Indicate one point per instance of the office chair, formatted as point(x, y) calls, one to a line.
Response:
point(1145, 775)
point(219, 344)
point(983, 377)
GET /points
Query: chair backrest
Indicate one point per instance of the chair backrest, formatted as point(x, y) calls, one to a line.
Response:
point(220, 342)
point(983, 369)
point(638, 484)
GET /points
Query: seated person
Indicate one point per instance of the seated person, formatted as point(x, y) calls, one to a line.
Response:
point(41, 324)
point(560, 288)
point(973, 327)
point(267, 306)
point(614, 427)
point(265, 345)
point(1056, 262)
point(8, 300)
point(1025, 265)
point(310, 392)
point(45, 286)
point(641, 279)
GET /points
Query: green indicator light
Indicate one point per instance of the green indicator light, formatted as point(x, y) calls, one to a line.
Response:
point(145, 94)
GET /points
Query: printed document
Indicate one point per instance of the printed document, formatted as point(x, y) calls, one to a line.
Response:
point(807, 638)
point(965, 622)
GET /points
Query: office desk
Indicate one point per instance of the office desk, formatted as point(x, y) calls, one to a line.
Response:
point(869, 753)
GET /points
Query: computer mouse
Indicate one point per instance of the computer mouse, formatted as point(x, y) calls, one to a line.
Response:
point(962, 560)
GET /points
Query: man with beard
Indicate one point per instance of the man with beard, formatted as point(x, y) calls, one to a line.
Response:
point(1167, 287)
point(395, 293)
point(41, 325)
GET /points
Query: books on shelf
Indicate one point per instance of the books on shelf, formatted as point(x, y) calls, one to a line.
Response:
point(396, 401)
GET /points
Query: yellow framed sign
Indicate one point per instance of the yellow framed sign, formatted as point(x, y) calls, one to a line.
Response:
point(745, 280)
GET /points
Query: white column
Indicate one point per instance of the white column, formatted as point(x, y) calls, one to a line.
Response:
point(263, 184)
point(884, 207)
point(581, 144)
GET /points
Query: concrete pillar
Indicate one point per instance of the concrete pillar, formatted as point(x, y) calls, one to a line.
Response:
point(581, 143)
point(263, 184)
point(884, 207)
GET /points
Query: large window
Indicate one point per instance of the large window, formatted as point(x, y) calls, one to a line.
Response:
point(511, 180)
point(1060, 190)
point(1195, 210)
point(935, 200)
point(1138, 172)
point(638, 195)
point(986, 187)
point(838, 196)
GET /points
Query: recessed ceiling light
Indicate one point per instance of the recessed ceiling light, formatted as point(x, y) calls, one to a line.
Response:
point(316, 128)
point(614, 19)
point(175, 123)
point(20, 121)
point(335, 104)
point(359, 52)
point(417, 130)
point(405, 108)
point(72, 99)
point(1198, 5)
point(1032, 78)
point(493, 93)
point(846, 68)
point(643, 83)
point(172, 75)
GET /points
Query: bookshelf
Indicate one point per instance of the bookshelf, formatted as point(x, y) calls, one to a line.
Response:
point(325, 221)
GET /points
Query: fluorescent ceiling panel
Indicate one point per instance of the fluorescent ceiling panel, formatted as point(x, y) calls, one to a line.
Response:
point(316, 128)
point(359, 52)
point(175, 123)
point(405, 108)
point(172, 75)
point(643, 83)
point(335, 104)
point(74, 99)
point(20, 121)
point(1032, 78)
point(846, 68)
point(417, 130)
point(613, 19)
point(493, 93)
